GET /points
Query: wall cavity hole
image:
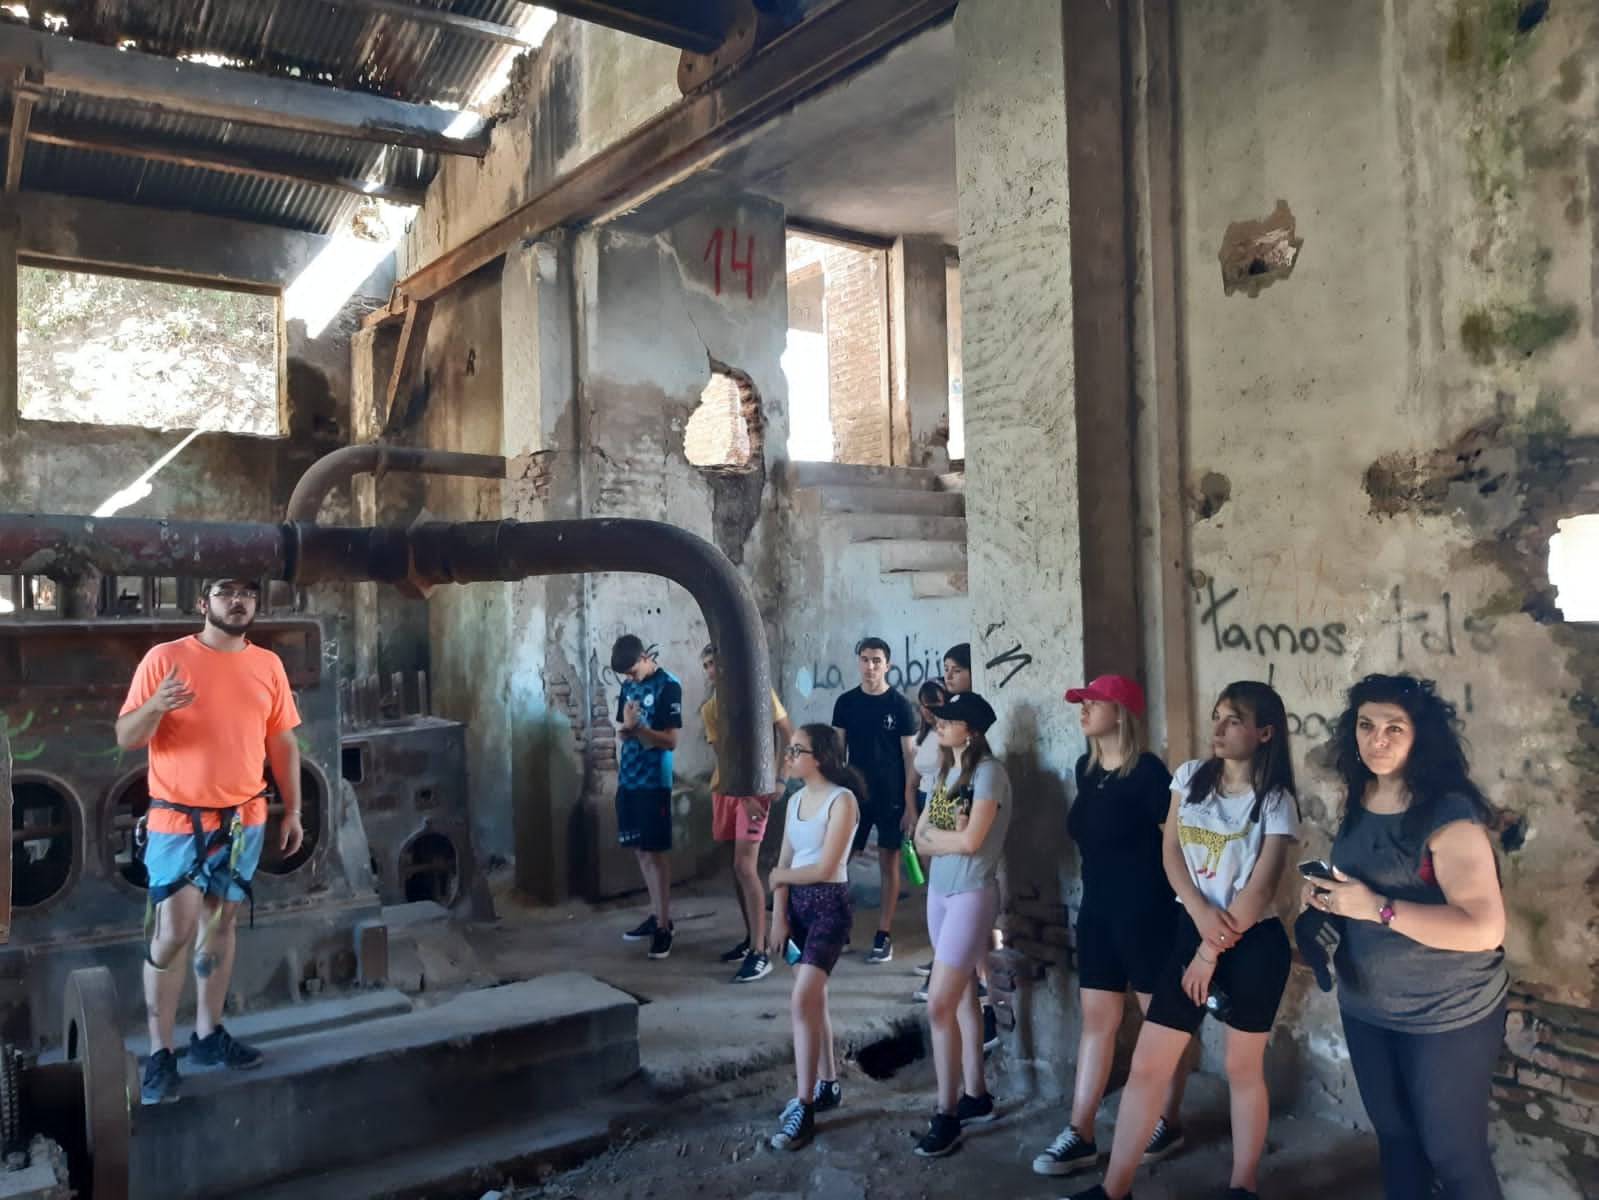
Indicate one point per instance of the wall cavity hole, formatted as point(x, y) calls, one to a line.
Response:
point(1574, 567)
point(720, 435)
point(43, 834)
point(429, 870)
point(313, 804)
point(352, 762)
point(881, 1060)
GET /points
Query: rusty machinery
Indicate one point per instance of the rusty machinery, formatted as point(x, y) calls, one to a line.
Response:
point(82, 1102)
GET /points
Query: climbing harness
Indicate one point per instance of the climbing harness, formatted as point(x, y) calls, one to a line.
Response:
point(228, 836)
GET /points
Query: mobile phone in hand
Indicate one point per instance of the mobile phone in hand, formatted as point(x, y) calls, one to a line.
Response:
point(791, 952)
point(1316, 868)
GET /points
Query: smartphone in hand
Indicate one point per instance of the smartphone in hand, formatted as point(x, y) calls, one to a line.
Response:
point(1316, 868)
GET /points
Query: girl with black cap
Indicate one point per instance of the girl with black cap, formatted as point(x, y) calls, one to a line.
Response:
point(963, 831)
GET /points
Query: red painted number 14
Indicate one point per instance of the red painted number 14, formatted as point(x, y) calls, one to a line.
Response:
point(735, 265)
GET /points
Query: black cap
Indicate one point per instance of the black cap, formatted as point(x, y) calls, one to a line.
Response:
point(969, 707)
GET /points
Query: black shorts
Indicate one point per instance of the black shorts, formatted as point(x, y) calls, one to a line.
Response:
point(644, 818)
point(1121, 945)
point(885, 818)
point(1252, 976)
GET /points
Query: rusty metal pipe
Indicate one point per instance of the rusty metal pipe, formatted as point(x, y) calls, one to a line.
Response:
point(439, 553)
point(61, 547)
point(343, 465)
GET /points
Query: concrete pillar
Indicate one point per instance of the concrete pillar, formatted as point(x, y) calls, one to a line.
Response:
point(545, 686)
point(1044, 297)
point(10, 396)
point(918, 309)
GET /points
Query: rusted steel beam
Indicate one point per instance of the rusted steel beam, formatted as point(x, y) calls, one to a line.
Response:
point(338, 468)
point(256, 164)
point(442, 19)
point(824, 49)
point(225, 94)
point(696, 25)
point(431, 554)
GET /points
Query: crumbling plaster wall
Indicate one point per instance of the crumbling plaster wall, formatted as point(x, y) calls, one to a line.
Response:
point(586, 87)
point(1378, 444)
point(653, 312)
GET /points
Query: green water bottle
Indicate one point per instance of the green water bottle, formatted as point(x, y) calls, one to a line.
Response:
point(913, 865)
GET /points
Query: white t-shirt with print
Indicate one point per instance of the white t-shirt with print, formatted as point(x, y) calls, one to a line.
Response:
point(1219, 842)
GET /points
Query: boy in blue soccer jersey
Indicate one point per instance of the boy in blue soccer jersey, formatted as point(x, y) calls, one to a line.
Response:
point(649, 712)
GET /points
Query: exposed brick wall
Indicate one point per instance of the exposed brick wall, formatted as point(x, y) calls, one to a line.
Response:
point(856, 309)
point(1548, 1078)
point(718, 435)
point(855, 319)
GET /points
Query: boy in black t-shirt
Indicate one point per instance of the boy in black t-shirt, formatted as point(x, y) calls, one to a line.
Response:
point(878, 727)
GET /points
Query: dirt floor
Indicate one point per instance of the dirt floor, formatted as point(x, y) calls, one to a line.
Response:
point(716, 1071)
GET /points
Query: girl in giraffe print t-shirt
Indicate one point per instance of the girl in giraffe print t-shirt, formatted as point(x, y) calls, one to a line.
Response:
point(1232, 819)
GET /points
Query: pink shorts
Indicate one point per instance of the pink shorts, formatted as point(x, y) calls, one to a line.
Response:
point(730, 823)
point(960, 925)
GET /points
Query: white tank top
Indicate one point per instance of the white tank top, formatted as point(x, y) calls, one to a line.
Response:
point(807, 835)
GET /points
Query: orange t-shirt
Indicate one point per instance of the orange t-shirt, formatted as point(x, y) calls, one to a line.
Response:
point(211, 754)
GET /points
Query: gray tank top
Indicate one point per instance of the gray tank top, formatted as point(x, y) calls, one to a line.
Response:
point(1385, 978)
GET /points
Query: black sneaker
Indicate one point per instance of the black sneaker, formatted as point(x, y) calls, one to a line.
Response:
point(796, 1127)
point(1066, 1155)
point(975, 1110)
point(661, 942)
point(160, 1083)
point(756, 966)
point(925, 970)
point(736, 954)
point(882, 950)
point(1164, 1142)
point(828, 1095)
point(920, 994)
point(644, 931)
point(218, 1049)
point(990, 1028)
point(943, 1135)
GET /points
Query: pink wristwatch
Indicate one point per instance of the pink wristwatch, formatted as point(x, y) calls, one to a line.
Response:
point(1385, 914)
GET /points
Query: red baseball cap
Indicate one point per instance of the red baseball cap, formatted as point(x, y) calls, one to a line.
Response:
point(1111, 687)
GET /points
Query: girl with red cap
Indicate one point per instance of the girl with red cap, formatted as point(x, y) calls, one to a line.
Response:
point(1128, 917)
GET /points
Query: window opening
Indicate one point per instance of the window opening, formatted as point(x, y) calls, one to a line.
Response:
point(115, 350)
point(1574, 567)
point(43, 834)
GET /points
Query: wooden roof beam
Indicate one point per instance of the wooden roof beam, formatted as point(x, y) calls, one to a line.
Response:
point(89, 69)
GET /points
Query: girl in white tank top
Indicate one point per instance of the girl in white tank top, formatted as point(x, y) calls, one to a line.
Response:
point(811, 916)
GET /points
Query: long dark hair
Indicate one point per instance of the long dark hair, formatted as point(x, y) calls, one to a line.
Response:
point(1436, 765)
point(829, 753)
point(1271, 767)
point(931, 693)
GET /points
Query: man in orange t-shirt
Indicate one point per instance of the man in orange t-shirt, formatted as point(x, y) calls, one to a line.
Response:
point(210, 707)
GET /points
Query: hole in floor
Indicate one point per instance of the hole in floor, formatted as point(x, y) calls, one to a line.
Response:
point(881, 1060)
point(640, 997)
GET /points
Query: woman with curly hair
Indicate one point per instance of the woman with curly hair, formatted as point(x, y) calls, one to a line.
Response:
point(1421, 974)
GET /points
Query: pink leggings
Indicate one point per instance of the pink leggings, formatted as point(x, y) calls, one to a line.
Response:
point(960, 925)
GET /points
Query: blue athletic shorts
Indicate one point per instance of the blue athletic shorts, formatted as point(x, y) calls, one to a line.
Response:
point(169, 856)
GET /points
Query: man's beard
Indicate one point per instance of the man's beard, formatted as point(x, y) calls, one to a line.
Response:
point(228, 626)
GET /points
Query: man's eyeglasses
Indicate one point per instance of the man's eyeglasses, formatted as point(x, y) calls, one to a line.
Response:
point(796, 751)
point(226, 593)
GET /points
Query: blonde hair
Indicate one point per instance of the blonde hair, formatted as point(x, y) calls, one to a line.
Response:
point(1129, 742)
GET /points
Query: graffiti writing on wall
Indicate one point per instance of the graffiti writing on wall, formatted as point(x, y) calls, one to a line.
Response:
point(914, 668)
point(727, 240)
point(1434, 629)
point(26, 730)
point(1014, 659)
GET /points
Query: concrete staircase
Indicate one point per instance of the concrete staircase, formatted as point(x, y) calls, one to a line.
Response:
point(915, 519)
point(410, 1101)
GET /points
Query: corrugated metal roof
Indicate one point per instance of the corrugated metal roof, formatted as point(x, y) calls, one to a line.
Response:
point(313, 40)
